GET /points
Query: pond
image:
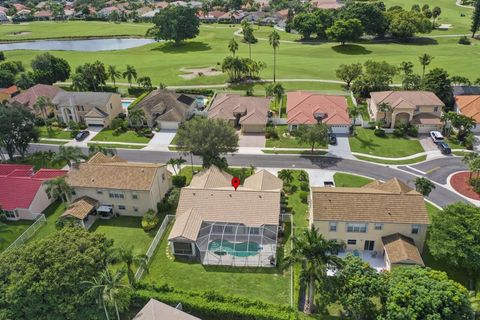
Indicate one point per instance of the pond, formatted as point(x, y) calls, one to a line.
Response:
point(78, 45)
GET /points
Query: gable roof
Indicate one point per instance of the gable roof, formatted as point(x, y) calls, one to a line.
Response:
point(113, 173)
point(406, 99)
point(156, 310)
point(72, 99)
point(469, 106)
point(80, 208)
point(389, 202)
point(213, 177)
point(461, 90)
point(401, 249)
point(165, 105)
point(10, 90)
point(29, 97)
point(255, 109)
point(263, 180)
point(301, 107)
point(96, 113)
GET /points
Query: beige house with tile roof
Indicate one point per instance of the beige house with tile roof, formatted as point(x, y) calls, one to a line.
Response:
point(221, 225)
point(368, 219)
point(120, 187)
point(156, 310)
point(422, 109)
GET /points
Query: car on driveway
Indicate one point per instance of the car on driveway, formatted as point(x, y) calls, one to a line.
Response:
point(436, 136)
point(82, 135)
point(444, 148)
point(332, 138)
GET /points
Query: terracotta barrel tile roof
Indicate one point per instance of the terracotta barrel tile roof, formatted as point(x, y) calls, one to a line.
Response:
point(406, 98)
point(225, 104)
point(469, 106)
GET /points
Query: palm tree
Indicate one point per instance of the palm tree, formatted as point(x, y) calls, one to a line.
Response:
point(112, 284)
point(252, 169)
point(274, 40)
point(472, 159)
point(176, 162)
point(42, 105)
point(136, 118)
point(354, 113)
point(69, 155)
point(425, 60)
point(248, 36)
point(384, 107)
point(127, 256)
point(113, 74)
point(43, 158)
point(286, 175)
point(314, 254)
point(424, 186)
point(58, 188)
point(130, 74)
point(233, 46)
point(98, 288)
point(96, 148)
point(276, 90)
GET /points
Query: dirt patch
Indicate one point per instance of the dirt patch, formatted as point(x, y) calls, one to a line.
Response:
point(19, 33)
point(459, 182)
point(191, 73)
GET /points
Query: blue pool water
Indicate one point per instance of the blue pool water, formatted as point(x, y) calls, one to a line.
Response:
point(240, 249)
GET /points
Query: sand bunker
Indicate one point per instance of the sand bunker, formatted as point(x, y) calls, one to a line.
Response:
point(191, 73)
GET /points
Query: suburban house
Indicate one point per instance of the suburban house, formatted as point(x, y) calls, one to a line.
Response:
point(383, 222)
point(465, 90)
point(422, 109)
point(470, 107)
point(306, 108)
point(22, 192)
point(248, 113)
point(3, 17)
point(29, 97)
point(8, 93)
point(166, 109)
point(156, 310)
point(223, 226)
point(106, 186)
point(91, 108)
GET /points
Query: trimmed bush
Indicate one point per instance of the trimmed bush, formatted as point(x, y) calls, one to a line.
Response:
point(271, 133)
point(203, 92)
point(138, 91)
point(179, 181)
point(412, 131)
point(379, 132)
point(464, 40)
point(150, 220)
point(398, 132)
point(303, 196)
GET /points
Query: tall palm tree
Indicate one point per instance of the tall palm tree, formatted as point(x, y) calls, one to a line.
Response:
point(354, 113)
point(233, 46)
point(127, 256)
point(43, 158)
point(97, 287)
point(42, 105)
point(176, 163)
point(314, 254)
point(425, 60)
point(113, 74)
point(279, 91)
point(248, 36)
point(58, 188)
point(136, 118)
point(112, 285)
point(96, 148)
point(69, 155)
point(130, 74)
point(384, 107)
point(274, 40)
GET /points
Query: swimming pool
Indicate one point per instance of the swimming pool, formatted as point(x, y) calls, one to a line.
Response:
point(126, 103)
point(239, 249)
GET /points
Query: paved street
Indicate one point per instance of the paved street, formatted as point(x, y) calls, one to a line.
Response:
point(441, 196)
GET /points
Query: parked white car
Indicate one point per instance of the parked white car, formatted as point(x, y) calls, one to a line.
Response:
point(436, 136)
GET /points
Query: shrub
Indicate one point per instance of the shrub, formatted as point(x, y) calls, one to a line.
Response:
point(303, 196)
point(73, 133)
point(150, 220)
point(82, 126)
point(137, 91)
point(179, 181)
point(464, 40)
point(412, 131)
point(203, 92)
point(39, 122)
point(169, 203)
point(398, 132)
point(304, 186)
point(119, 125)
point(379, 132)
point(271, 133)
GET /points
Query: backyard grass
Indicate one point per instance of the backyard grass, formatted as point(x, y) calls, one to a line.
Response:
point(394, 162)
point(287, 141)
point(349, 180)
point(12, 231)
point(52, 213)
point(130, 136)
point(57, 133)
point(365, 141)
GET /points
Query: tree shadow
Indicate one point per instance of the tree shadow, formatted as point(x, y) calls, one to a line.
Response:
point(351, 49)
point(184, 47)
point(415, 41)
point(367, 143)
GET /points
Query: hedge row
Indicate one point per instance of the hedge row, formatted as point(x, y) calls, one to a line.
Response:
point(138, 99)
point(138, 91)
point(203, 92)
point(213, 306)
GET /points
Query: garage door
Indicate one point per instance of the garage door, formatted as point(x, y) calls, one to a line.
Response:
point(253, 128)
point(339, 129)
point(94, 122)
point(167, 125)
point(424, 128)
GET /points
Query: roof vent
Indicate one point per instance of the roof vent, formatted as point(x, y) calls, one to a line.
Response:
point(230, 195)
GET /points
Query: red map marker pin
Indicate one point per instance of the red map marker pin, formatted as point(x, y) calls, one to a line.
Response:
point(235, 182)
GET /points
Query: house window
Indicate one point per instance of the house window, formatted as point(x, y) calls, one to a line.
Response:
point(378, 226)
point(10, 214)
point(435, 109)
point(351, 242)
point(99, 192)
point(134, 195)
point(333, 226)
point(415, 228)
point(182, 248)
point(121, 207)
point(135, 209)
point(74, 193)
point(116, 195)
point(357, 227)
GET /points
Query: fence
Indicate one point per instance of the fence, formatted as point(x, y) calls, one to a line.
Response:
point(30, 232)
point(155, 242)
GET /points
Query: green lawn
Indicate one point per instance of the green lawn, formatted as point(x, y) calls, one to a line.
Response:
point(52, 213)
point(129, 137)
point(287, 142)
point(117, 146)
point(349, 180)
point(302, 152)
point(57, 133)
point(60, 143)
point(365, 141)
point(395, 162)
point(12, 231)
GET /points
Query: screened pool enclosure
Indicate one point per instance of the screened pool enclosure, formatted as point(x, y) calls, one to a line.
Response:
point(237, 245)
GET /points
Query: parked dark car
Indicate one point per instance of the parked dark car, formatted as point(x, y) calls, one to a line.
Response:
point(332, 138)
point(444, 148)
point(82, 135)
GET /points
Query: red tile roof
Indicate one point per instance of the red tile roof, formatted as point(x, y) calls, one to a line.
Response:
point(10, 90)
point(469, 106)
point(19, 186)
point(29, 97)
point(301, 107)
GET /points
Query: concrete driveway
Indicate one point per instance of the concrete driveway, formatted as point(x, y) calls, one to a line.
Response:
point(161, 139)
point(427, 143)
point(342, 148)
point(251, 140)
point(93, 130)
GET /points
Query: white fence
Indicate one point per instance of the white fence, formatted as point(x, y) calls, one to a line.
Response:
point(155, 242)
point(30, 232)
point(278, 121)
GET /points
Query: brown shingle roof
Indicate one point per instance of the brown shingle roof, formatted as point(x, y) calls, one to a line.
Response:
point(187, 225)
point(263, 180)
point(156, 310)
point(406, 99)
point(213, 177)
point(80, 208)
point(469, 106)
point(401, 249)
point(225, 104)
point(389, 202)
point(113, 173)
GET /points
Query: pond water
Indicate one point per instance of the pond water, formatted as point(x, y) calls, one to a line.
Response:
point(78, 45)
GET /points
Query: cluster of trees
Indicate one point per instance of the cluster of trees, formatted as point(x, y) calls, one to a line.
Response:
point(370, 18)
point(405, 292)
point(238, 68)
